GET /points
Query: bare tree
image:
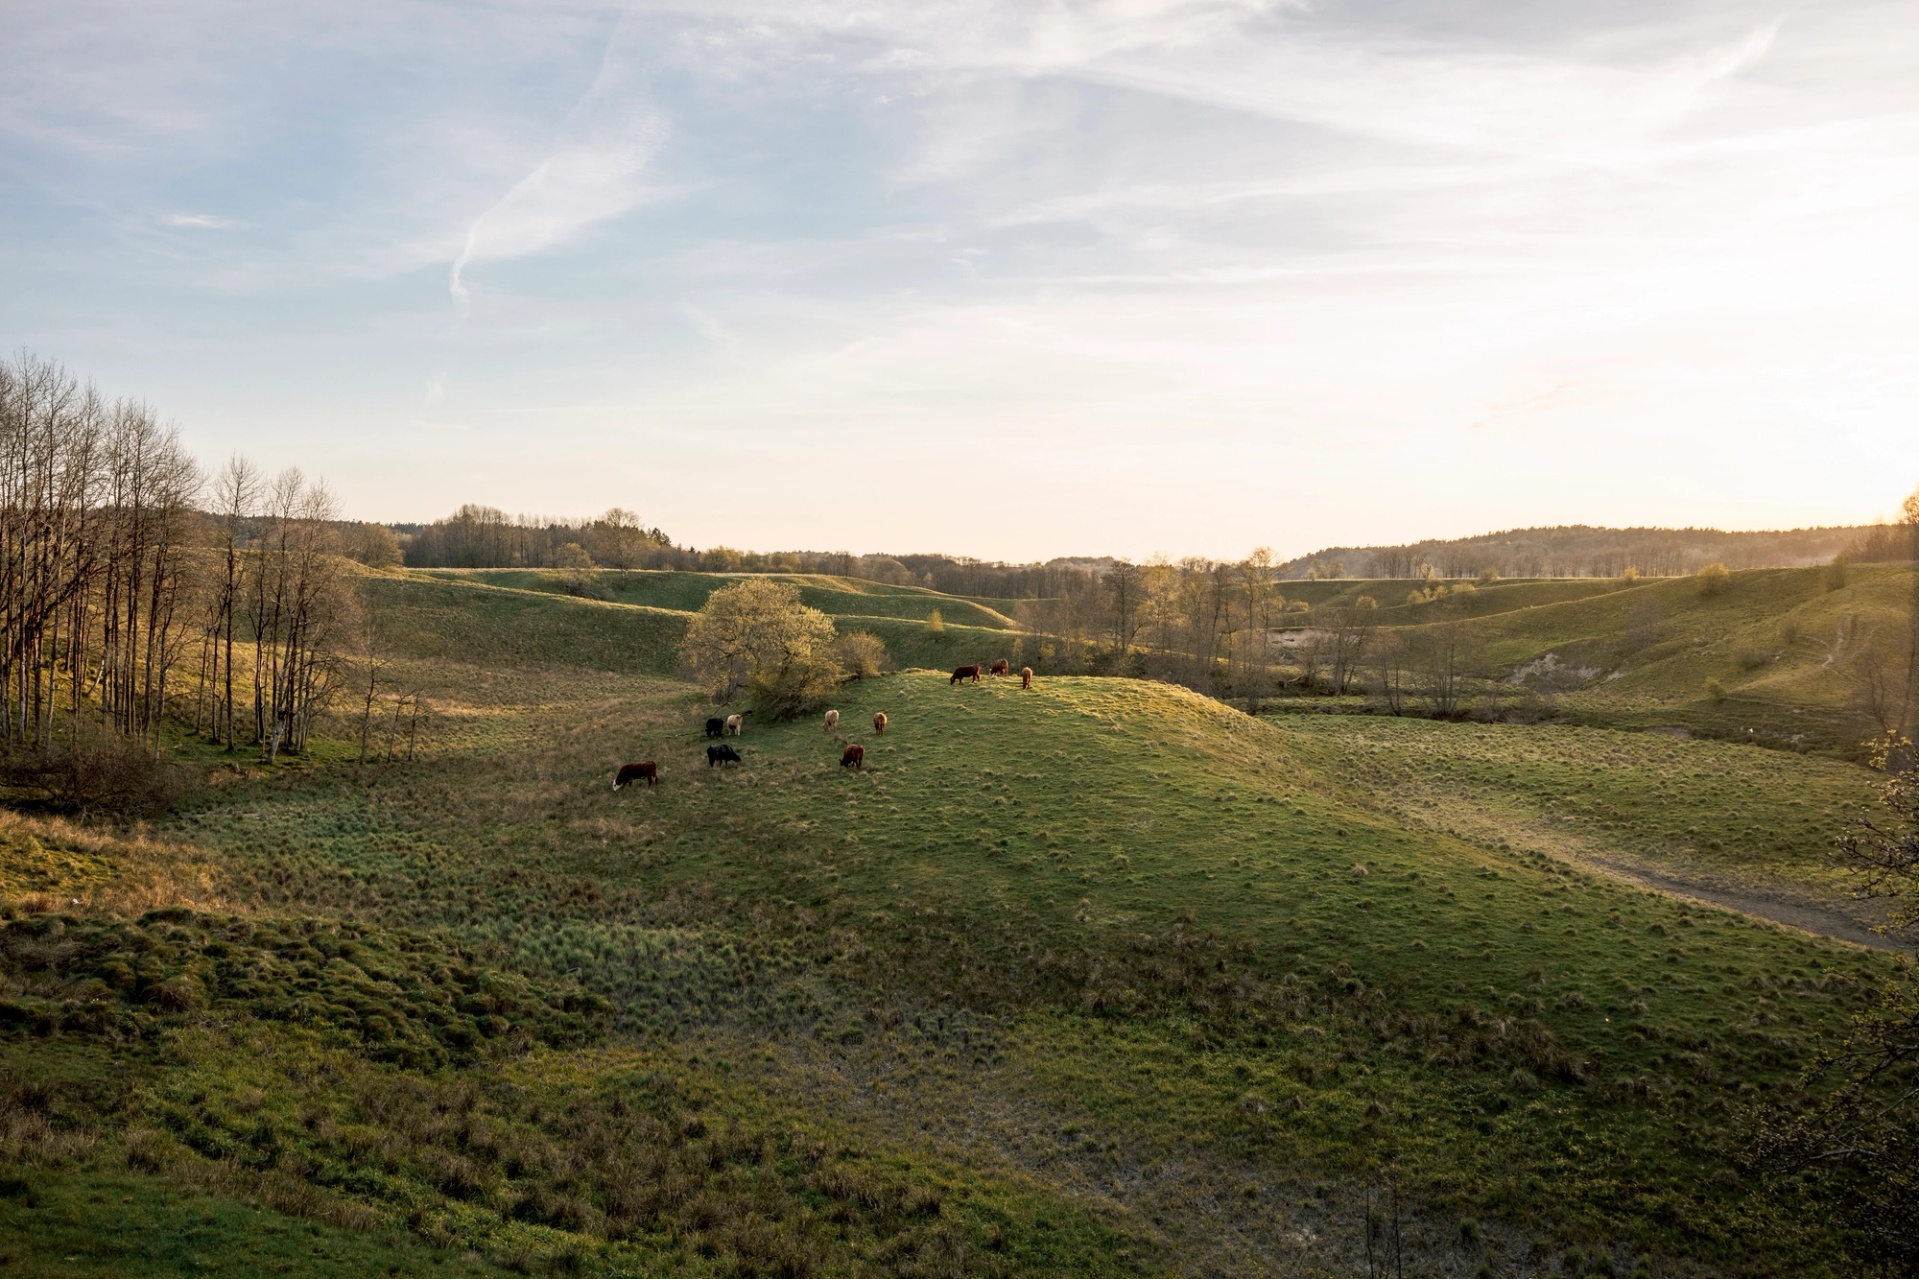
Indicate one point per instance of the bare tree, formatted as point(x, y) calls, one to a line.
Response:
point(1348, 632)
point(1440, 658)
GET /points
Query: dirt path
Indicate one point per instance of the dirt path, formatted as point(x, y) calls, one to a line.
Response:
point(1482, 824)
point(1800, 913)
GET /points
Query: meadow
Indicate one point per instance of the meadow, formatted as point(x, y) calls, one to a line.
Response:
point(1103, 977)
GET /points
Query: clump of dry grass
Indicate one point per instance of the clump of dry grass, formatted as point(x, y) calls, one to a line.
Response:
point(52, 863)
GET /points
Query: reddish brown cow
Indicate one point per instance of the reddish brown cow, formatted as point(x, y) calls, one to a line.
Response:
point(879, 722)
point(634, 772)
point(853, 756)
point(964, 673)
point(1001, 667)
point(1025, 677)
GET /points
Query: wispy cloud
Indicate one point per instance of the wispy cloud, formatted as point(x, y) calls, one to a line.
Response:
point(202, 221)
point(595, 172)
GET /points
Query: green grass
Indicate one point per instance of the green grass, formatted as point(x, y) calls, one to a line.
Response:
point(686, 592)
point(1779, 641)
point(1119, 978)
point(64, 1223)
point(1728, 813)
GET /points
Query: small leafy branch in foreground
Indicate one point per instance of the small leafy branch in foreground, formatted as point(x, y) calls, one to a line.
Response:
point(1884, 851)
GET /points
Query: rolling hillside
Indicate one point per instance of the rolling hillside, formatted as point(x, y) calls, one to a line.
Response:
point(494, 617)
point(1100, 978)
point(1782, 644)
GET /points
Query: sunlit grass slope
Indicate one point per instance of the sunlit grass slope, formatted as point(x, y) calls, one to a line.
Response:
point(499, 619)
point(686, 592)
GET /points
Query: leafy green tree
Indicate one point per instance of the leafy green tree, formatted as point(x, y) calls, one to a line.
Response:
point(756, 637)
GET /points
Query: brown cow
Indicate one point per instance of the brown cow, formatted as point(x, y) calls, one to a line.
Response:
point(853, 756)
point(634, 772)
point(879, 722)
point(1025, 677)
point(1001, 667)
point(964, 673)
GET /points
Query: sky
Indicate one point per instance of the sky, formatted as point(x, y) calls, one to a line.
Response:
point(1011, 280)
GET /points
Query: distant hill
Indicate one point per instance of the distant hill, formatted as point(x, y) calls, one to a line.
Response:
point(1579, 550)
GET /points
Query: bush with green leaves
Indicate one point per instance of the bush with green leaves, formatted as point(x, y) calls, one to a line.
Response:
point(756, 637)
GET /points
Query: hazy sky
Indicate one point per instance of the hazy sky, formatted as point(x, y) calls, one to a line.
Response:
point(1008, 279)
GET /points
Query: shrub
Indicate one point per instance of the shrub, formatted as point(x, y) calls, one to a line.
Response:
point(757, 636)
point(1630, 575)
point(102, 774)
point(576, 572)
point(935, 625)
point(861, 654)
point(1715, 690)
point(1837, 572)
point(1714, 579)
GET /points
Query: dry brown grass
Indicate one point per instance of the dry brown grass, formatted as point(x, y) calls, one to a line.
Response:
point(50, 863)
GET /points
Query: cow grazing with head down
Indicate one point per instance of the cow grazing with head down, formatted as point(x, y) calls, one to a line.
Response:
point(879, 722)
point(832, 720)
point(853, 756)
point(715, 726)
point(630, 773)
point(1000, 667)
point(961, 673)
point(1025, 677)
point(721, 754)
point(736, 724)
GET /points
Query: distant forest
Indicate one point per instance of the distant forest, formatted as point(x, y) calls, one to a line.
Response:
point(1577, 550)
point(484, 537)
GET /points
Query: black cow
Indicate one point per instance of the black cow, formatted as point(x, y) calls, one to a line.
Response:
point(715, 727)
point(722, 754)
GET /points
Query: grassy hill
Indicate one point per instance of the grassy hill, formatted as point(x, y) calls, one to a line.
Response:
point(1100, 978)
point(1781, 644)
point(492, 618)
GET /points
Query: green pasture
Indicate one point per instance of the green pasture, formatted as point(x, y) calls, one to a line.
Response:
point(1099, 977)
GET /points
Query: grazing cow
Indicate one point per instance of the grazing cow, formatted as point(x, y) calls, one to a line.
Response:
point(964, 673)
point(634, 772)
point(736, 724)
point(715, 726)
point(832, 720)
point(853, 756)
point(1025, 677)
point(1000, 667)
point(879, 722)
point(722, 754)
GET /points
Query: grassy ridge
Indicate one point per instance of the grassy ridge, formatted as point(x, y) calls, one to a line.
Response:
point(686, 592)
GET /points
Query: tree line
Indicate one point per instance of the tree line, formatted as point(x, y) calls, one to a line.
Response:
point(136, 588)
